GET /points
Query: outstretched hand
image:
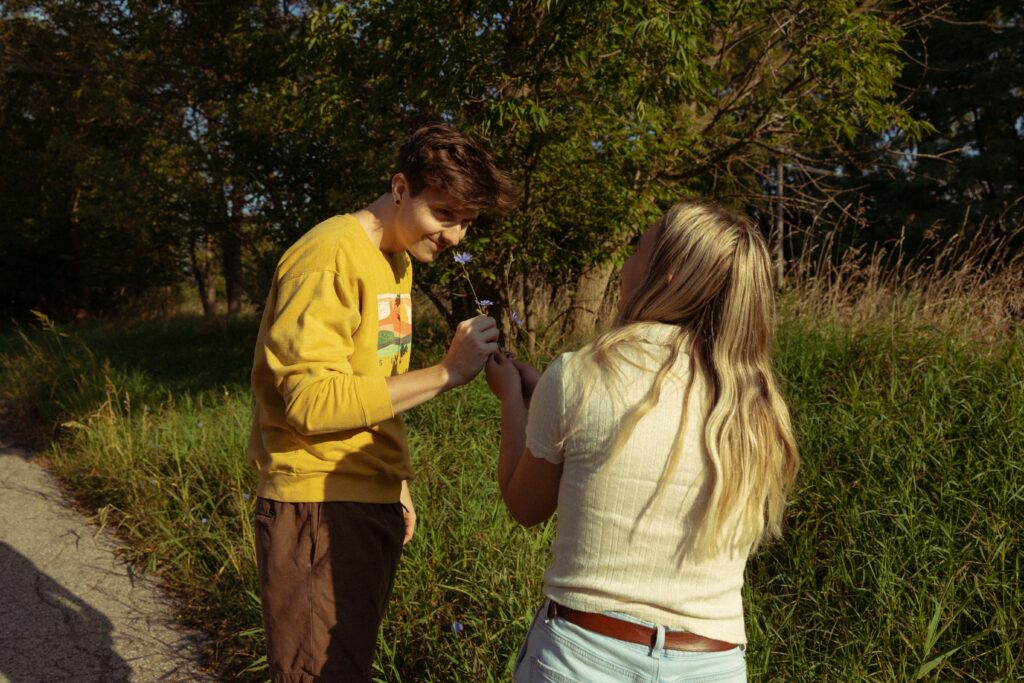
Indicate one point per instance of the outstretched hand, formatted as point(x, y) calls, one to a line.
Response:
point(503, 377)
point(528, 375)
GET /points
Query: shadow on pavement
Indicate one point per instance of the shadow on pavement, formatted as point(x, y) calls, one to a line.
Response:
point(48, 633)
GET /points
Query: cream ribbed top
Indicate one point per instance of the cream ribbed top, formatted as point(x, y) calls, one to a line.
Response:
point(615, 549)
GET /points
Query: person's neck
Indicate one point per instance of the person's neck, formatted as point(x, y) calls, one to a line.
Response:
point(378, 220)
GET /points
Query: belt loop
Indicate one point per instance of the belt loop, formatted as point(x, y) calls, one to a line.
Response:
point(658, 641)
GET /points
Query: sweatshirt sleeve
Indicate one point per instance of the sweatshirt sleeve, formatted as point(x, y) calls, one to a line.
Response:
point(309, 347)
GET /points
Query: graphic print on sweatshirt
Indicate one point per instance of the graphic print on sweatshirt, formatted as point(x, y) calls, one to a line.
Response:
point(394, 331)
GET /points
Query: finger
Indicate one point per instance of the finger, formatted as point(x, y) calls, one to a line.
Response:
point(525, 367)
point(484, 322)
point(490, 348)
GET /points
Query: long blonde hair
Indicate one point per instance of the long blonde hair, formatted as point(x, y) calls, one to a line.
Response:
point(710, 275)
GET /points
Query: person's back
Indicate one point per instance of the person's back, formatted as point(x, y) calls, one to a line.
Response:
point(667, 451)
point(619, 545)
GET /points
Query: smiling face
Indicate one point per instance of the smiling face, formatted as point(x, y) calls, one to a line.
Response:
point(427, 224)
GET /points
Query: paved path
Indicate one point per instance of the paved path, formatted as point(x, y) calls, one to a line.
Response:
point(69, 609)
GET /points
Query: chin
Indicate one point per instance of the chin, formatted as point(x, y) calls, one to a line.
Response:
point(425, 255)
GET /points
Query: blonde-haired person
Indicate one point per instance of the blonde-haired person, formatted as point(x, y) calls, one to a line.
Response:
point(667, 450)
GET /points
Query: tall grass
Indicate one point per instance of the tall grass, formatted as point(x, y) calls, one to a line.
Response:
point(972, 288)
point(901, 560)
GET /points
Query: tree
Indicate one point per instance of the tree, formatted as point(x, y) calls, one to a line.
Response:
point(223, 130)
point(606, 110)
point(207, 63)
point(964, 78)
point(82, 228)
point(133, 150)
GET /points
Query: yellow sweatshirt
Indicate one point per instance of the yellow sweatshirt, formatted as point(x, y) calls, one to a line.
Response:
point(338, 321)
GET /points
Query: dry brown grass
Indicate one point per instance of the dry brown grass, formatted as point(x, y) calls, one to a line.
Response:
point(972, 289)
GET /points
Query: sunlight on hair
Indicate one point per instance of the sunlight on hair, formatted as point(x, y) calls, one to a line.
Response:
point(710, 274)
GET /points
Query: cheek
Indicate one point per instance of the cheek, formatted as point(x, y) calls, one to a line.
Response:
point(628, 275)
point(425, 225)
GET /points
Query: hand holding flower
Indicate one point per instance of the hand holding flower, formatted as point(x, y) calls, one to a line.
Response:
point(475, 340)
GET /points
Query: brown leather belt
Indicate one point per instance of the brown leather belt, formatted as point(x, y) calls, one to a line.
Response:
point(636, 633)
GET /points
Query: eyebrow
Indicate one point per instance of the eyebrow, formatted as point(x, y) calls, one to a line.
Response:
point(469, 214)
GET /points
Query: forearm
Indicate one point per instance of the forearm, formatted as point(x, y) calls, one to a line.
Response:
point(334, 402)
point(513, 440)
point(419, 386)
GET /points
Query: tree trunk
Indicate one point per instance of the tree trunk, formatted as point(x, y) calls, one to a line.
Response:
point(202, 274)
point(231, 251)
point(588, 303)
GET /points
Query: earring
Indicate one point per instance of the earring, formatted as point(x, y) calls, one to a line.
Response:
point(398, 199)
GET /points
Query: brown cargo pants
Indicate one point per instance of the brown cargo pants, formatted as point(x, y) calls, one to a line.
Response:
point(326, 571)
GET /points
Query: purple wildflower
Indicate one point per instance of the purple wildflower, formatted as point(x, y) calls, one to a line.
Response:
point(463, 257)
point(516, 320)
point(457, 626)
point(484, 303)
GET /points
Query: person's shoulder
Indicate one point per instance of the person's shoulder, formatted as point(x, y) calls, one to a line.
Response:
point(562, 371)
point(331, 245)
point(337, 233)
point(558, 363)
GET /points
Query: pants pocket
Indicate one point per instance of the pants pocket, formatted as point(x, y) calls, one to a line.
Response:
point(521, 656)
point(265, 510)
point(706, 667)
point(542, 673)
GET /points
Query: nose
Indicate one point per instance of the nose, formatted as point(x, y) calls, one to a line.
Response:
point(452, 236)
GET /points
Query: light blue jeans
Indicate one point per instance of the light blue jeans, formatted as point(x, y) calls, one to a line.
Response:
point(561, 652)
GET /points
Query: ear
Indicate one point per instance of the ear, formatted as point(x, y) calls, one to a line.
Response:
point(399, 185)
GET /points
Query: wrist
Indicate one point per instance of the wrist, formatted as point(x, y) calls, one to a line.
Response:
point(447, 377)
point(512, 404)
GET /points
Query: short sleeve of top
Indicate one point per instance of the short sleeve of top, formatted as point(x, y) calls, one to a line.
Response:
point(545, 423)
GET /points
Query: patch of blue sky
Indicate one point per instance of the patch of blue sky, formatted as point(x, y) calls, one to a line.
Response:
point(195, 123)
point(970, 149)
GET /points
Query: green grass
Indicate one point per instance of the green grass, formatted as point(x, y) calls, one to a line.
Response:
point(902, 555)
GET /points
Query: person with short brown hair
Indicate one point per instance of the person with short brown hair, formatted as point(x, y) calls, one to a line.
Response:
point(330, 376)
point(440, 157)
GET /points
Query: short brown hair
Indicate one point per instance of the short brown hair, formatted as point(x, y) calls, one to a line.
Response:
point(441, 157)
